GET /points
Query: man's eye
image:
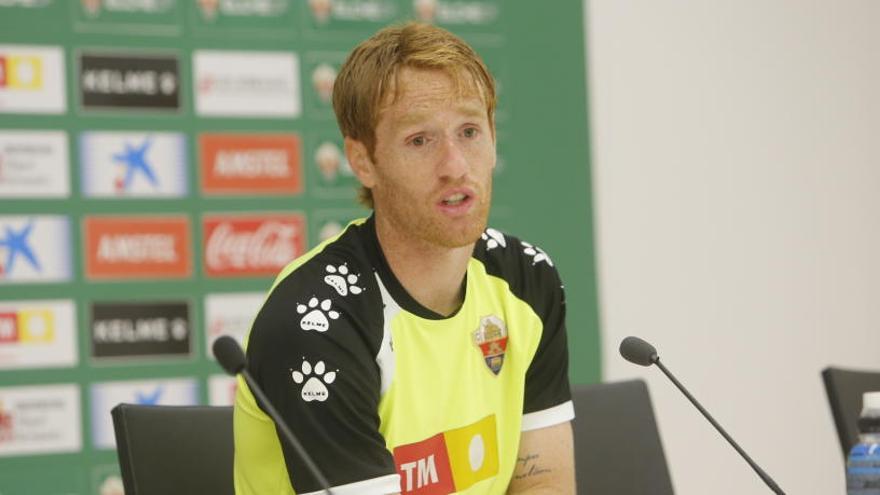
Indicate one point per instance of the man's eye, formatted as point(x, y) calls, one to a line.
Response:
point(470, 132)
point(418, 141)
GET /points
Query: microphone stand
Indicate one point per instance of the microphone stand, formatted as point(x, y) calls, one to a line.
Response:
point(285, 430)
point(764, 476)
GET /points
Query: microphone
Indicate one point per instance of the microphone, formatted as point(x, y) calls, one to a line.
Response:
point(637, 351)
point(232, 359)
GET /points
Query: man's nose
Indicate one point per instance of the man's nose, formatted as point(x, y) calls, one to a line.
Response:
point(454, 163)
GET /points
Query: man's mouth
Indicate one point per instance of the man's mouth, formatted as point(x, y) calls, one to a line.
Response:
point(455, 199)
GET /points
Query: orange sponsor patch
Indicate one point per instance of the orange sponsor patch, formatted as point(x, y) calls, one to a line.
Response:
point(250, 163)
point(120, 247)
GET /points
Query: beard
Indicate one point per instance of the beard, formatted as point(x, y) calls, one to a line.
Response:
point(416, 218)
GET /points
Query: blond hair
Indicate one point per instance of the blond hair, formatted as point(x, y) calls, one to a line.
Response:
point(368, 76)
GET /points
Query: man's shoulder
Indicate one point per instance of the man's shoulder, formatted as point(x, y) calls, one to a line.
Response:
point(346, 249)
point(331, 291)
point(512, 258)
point(527, 270)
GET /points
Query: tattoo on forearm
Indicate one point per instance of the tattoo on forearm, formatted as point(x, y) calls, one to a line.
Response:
point(529, 466)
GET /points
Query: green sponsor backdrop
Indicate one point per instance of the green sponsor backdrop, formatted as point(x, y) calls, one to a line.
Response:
point(542, 193)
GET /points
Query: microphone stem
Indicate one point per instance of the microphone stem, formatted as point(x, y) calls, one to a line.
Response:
point(291, 439)
point(764, 476)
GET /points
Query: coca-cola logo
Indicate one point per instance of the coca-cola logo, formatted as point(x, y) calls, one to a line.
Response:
point(252, 245)
point(271, 245)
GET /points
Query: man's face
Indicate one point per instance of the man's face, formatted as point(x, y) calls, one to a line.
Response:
point(434, 156)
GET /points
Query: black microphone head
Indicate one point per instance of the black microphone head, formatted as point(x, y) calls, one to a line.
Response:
point(229, 355)
point(636, 350)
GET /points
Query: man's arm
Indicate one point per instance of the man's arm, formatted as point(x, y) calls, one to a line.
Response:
point(545, 462)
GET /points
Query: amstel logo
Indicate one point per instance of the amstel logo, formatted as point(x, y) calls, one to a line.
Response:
point(137, 246)
point(250, 163)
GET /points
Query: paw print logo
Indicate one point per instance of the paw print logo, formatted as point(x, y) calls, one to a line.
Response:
point(342, 281)
point(493, 239)
point(538, 255)
point(317, 316)
point(316, 380)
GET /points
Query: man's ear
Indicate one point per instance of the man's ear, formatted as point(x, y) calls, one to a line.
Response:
point(360, 162)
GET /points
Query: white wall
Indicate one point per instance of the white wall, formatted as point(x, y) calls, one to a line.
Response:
point(736, 155)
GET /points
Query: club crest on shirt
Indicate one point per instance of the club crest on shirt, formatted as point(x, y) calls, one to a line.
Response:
point(491, 339)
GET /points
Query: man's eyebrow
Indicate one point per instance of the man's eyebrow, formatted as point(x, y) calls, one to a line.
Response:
point(473, 111)
point(415, 117)
point(411, 118)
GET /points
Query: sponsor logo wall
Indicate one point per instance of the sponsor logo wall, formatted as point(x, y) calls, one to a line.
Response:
point(37, 334)
point(160, 163)
point(106, 395)
point(32, 79)
point(158, 17)
point(123, 247)
point(252, 244)
point(254, 164)
point(129, 164)
point(230, 314)
point(34, 164)
point(246, 84)
point(35, 248)
point(39, 419)
point(128, 81)
point(221, 390)
point(140, 329)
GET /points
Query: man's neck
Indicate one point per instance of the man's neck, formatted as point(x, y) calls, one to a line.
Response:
point(431, 274)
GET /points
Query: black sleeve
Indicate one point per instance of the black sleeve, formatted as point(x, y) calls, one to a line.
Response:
point(547, 382)
point(313, 352)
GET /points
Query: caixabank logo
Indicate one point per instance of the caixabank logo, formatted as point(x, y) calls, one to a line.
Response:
point(106, 395)
point(254, 164)
point(133, 164)
point(35, 248)
point(257, 244)
point(128, 81)
point(37, 334)
point(140, 329)
point(137, 246)
point(32, 79)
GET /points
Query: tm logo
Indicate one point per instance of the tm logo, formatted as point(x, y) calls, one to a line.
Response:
point(16, 243)
point(134, 160)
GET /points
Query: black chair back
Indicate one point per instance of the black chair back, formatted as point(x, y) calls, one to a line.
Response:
point(617, 444)
point(172, 450)
point(845, 388)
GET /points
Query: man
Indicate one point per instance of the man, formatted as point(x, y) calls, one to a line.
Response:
point(416, 352)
